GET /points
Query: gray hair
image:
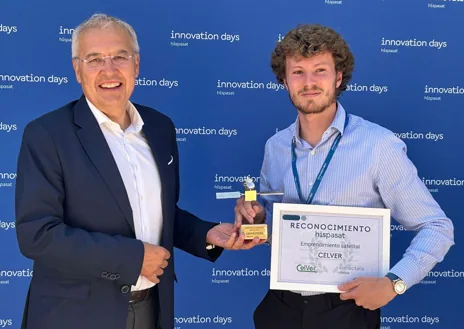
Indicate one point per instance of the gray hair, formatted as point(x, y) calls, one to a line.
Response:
point(102, 21)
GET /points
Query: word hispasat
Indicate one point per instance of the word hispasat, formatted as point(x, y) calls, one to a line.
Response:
point(183, 38)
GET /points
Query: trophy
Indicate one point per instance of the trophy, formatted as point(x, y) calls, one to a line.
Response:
point(251, 231)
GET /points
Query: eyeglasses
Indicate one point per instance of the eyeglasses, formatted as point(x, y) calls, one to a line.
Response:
point(98, 62)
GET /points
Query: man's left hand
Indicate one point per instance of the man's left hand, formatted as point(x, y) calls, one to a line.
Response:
point(368, 292)
point(225, 235)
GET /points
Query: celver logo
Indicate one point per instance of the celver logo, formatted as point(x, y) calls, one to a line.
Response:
point(65, 34)
point(228, 88)
point(182, 39)
point(5, 323)
point(7, 127)
point(198, 319)
point(435, 93)
point(203, 131)
point(306, 268)
point(224, 182)
point(8, 29)
point(219, 274)
point(410, 319)
point(7, 179)
point(373, 88)
point(165, 83)
point(412, 135)
point(7, 225)
point(392, 46)
point(6, 275)
point(6, 80)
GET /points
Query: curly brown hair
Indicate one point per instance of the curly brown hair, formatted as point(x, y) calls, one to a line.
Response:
point(311, 39)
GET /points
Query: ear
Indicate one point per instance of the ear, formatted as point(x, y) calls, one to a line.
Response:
point(76, 70)
point(285, 84)
point(137, 65)
point(339, 79)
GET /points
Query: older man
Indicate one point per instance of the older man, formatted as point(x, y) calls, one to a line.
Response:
point(96, 199)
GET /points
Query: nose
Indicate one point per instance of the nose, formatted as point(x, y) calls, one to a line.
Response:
point(309, 79)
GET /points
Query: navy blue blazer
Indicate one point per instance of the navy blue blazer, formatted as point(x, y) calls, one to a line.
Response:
point(74, 220)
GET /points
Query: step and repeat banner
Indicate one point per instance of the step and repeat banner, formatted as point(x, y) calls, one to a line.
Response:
point(206, 64)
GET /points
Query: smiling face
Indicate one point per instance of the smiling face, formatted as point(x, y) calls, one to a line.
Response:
point(312, 82)
point(110, 85)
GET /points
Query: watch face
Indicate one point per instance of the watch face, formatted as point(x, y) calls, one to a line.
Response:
point(400, 287)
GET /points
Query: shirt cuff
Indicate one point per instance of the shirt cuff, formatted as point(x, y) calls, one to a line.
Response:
point(407, 270)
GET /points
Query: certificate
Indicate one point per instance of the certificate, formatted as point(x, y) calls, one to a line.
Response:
point(316, 248)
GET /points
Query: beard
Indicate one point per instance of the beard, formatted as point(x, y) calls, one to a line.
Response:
point(314, 106)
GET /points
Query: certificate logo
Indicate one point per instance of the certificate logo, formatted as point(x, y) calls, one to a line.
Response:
point(306, 268)
point(6, 323)
point(65, 34)
point(7, 179)
point(162, 83)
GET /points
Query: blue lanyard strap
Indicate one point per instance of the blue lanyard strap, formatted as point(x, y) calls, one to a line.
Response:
point(321, 174)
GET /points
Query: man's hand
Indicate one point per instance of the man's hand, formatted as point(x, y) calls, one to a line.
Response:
point(155, 260)
point(250, 211)
point(225, 235)
point(368, 292)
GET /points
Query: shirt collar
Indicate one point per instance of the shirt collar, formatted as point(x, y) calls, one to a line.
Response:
point(136, 120)
point(338, 123)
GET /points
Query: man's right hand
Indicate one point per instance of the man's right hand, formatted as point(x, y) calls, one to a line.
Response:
point(250, 212)
point(155, 260)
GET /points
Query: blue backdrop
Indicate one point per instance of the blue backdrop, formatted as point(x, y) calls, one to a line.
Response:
point(408, 70)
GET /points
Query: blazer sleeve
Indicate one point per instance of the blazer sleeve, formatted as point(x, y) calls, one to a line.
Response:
point(41, 229)
point(189, 230)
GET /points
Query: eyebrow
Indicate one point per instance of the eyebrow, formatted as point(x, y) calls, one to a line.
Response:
point(122, 51)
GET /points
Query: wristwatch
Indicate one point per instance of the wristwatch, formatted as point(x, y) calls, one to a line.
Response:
point(398, 285)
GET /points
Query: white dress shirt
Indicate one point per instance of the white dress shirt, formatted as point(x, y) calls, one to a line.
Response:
point(140, 175)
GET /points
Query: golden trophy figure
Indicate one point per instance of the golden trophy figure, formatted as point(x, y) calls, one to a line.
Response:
point(251, 231)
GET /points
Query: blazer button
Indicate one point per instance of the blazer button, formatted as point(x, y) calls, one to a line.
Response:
point(104, 274)
point(113, 277)
point(117, 276)
point(125, 289)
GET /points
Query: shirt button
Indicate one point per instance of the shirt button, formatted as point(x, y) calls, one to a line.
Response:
point(310, 183)
point(313, 152)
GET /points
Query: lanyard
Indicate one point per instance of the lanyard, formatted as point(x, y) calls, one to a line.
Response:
point(321, 172)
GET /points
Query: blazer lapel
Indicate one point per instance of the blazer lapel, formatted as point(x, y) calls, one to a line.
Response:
point(94, 143)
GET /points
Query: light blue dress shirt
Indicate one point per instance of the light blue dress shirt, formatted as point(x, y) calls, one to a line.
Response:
point(370, 168)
